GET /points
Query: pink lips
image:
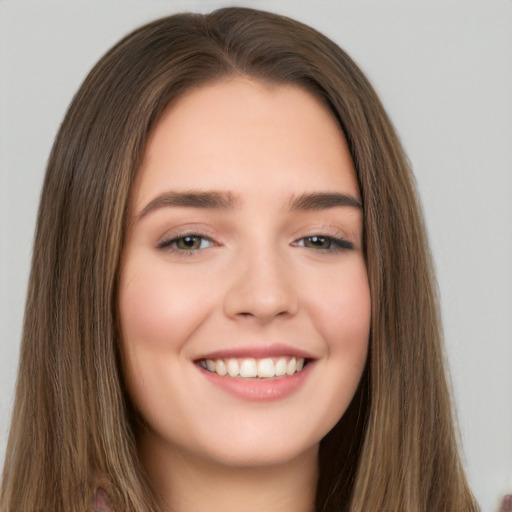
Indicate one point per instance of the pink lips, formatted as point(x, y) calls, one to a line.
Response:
point(258, 352)
point(259, 390)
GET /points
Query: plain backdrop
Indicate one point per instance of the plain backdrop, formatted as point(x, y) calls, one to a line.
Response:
point(443, 69)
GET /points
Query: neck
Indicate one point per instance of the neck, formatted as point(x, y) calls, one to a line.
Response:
point(189, 484)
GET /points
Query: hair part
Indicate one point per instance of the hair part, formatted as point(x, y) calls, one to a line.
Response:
point(72, 428)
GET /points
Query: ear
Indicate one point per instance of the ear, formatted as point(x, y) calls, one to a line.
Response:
point(100, 501)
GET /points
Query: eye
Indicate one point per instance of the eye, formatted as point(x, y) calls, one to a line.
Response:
point(324, 243)
point(187, 243)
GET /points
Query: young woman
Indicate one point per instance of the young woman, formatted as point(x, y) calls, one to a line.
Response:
point(231, 304)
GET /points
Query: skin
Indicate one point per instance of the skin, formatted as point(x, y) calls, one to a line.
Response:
point(252, 277)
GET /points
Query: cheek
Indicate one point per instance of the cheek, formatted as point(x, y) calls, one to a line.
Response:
point(159, 310)
point(342, 312)
point(158, 307)
point(342, 315)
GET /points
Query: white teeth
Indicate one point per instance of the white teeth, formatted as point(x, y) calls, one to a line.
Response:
point(221, 368)
point(248, 368)
point(251, 368)
point(233, 368)
point(291, 367)
point(266, 368)
point(281, 367)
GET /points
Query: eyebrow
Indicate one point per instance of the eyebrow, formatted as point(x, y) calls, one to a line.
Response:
point(323, 201)
point(226, 201)
point(192, 199)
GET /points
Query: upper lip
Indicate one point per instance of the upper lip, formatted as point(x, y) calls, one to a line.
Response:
point(258, 352)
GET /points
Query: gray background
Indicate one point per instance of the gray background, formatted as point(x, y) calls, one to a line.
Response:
point(443, 69)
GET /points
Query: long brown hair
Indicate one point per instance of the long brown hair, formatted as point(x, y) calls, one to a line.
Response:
point(395, 448)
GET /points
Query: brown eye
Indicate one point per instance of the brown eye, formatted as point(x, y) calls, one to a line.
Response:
point(186, 243)
point(324, 243)
point(189, 243)
point(318, 242)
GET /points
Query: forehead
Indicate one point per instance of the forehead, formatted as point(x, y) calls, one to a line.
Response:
point(241, 135)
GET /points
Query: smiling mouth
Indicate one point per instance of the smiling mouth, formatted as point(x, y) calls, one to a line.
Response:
point(252, 368)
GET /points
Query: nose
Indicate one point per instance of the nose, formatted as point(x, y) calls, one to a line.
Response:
point(262, 288)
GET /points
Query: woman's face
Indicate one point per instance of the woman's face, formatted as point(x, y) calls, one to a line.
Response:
point(244, 300)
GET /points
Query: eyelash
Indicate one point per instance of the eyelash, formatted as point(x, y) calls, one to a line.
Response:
point(170, 244)
point(335, 244)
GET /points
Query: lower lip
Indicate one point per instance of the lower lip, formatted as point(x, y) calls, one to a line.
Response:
point(266, 390)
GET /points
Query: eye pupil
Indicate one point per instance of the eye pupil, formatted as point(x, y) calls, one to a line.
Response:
point(189, 242)
point(318, 242)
